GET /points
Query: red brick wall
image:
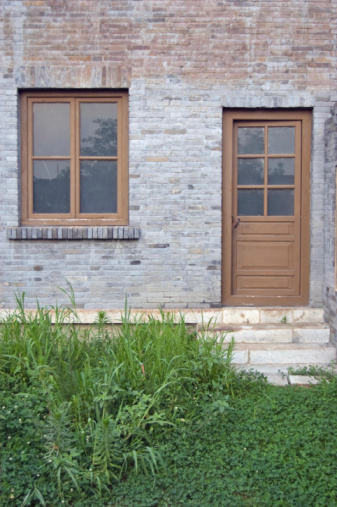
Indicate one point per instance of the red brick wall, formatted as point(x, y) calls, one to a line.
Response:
point(241, 43)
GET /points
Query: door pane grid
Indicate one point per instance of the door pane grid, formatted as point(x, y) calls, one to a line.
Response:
point(276, 169)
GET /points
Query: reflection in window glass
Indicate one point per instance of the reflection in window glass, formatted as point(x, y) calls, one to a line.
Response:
point(51, 130)
point(281, 171)
point(250, 171)
point(250, 140)
point(281, 140)
point(98, 187)
point(281, 202)
point(51, 186)
point(98, 132)
point(250, 202)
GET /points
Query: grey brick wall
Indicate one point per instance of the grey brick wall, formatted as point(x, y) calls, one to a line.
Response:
point(329, 293)
point(182, 66)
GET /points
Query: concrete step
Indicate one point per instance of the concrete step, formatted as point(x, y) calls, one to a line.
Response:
point(255, 355)
point(270, 315)
point(224, 315)
point(279, 374)
point(272, 333)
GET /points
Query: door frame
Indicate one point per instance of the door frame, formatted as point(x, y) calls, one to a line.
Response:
point(229, 117)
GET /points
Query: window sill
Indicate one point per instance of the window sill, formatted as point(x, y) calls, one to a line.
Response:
point(73, 233)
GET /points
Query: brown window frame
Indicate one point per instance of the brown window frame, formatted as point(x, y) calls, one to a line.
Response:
point(74, 217)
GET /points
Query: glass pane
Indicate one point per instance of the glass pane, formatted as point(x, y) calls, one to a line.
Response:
point(281, 140)
point(98, 188)
point(250, 203)
point(98, 129)
point(281, 171)
point(51, 186)
point(250, 140)
point(281, 202)
point(250, 171)
point(51, 130)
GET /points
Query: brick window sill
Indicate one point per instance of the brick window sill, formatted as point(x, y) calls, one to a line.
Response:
point(73, 233)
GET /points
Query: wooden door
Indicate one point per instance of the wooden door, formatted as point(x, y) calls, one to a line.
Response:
point(266, 207)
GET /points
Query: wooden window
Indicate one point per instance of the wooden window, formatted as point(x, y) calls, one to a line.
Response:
point(74, 158)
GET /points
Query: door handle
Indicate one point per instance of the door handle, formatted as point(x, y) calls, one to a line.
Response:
point(237, 223)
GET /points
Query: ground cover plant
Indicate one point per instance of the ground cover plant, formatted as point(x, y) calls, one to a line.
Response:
point(152, 414)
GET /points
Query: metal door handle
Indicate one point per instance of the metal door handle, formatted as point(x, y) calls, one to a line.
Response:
point(237, 223)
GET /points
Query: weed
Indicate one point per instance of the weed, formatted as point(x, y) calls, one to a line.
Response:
point(105, 398)
point(152, 413)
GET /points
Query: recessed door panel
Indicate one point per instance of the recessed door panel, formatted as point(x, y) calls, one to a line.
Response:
point(272, 284)
point(262, 255)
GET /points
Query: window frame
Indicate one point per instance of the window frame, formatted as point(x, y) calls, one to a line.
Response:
point(74, 217)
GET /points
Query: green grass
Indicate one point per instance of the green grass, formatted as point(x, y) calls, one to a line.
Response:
point(277, 447)
point(153, 415)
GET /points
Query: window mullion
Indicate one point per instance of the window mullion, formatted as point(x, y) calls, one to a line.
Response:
point(75, 158)
point(265, 195)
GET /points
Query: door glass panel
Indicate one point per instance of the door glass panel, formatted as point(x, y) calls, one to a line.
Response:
point(250, 171)
point(251, 140)
point(51, 186)
point(51, 130)
point(281, 171)
point(281, 140)
point(250, 202)
point(98, 124)
point(281, 202)
point(98, 187)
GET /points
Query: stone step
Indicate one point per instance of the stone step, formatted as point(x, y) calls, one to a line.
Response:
point(224, 315)
point(271, 315)
point(280, 375)
point(273, 333)
point(254, 355)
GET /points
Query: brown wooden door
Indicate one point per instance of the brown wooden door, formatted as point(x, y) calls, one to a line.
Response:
point(266, 207)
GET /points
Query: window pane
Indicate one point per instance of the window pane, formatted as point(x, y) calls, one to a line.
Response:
point(51, 130)
point(98, 187)
point(98, 129)
point(281, 140)
point(250, 140)
point(250, 171)
point(280, 202)
point(51, 186)
point(281, 171)
point(250, 202)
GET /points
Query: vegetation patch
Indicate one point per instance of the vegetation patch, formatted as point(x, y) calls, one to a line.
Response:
point(152, 415)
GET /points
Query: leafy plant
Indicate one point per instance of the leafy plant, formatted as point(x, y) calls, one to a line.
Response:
point(106, 397)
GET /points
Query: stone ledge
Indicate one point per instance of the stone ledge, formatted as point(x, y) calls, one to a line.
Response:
point(73, 233)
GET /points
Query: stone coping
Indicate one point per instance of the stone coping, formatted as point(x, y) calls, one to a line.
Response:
point(73, 233)
point(225, 315)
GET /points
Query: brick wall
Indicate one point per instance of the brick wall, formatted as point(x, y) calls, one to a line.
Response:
point(329, 294)
point(183, 61)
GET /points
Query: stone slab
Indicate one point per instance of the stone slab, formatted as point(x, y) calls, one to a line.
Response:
point(311, 334)
point(276, 316)
point(303, 380)
point(277, 379)
point(240, 316)
point(257, 335)
point(288, 354)
point(307, 314)
point(240, 356)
